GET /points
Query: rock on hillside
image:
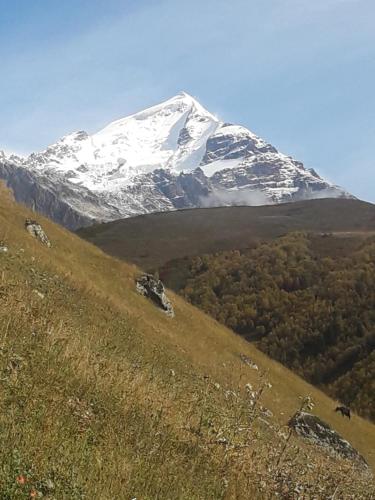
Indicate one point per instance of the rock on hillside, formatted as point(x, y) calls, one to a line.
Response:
point(36, 231)
point(154, 289)
point(318, 432)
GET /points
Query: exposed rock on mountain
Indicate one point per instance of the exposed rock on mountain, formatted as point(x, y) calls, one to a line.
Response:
point(173, 155)
point(42, 194)
point(185, 190)
point(318, 432)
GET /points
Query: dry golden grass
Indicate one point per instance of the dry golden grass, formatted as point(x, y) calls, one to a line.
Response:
point(102, 396)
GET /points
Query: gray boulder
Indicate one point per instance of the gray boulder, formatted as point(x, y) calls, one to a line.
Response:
point(320, 433)
point(154, 289)
point(37, 232)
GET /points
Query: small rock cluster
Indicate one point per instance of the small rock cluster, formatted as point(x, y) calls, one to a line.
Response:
point(154, 289)
point(3, 247)
point(248, 362)
point(320, 433)
point(83, 411)
point(37, 232)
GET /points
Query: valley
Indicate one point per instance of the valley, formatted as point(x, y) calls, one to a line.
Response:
point(295, 279)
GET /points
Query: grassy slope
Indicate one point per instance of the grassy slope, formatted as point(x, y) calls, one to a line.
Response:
point(150, 241)
point(88, 399)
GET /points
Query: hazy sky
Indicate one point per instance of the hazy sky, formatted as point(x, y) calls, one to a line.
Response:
point(300, 73)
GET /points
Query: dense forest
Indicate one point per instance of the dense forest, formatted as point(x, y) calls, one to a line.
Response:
point(312, 312)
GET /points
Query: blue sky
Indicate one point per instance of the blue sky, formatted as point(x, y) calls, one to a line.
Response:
point(300, 73)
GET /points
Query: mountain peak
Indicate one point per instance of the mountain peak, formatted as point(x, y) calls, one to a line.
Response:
point(133, 165)
point(184, 95)
point(188, 99)
point(180, 103)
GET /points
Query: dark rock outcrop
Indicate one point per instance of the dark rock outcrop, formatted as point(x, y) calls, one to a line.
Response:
point(320, 433)
point(185, 190)
point(229, 146)
point(153, 288)
point(266, 174)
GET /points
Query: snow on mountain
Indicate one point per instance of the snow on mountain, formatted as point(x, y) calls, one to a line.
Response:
point(171, 135)
point(173, 155)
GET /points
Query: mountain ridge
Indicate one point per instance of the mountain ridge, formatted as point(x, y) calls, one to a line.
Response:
point(152, 240)
point(173, 155)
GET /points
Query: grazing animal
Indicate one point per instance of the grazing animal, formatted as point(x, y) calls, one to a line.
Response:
point(345, 411)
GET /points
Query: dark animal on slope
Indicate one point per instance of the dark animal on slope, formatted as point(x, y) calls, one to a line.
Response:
point(345, 412)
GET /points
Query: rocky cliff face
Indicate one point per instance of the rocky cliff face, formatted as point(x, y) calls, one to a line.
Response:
point(173, 155)
point(42, 195)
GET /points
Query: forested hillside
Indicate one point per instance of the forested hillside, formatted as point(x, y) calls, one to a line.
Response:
point(313, 312)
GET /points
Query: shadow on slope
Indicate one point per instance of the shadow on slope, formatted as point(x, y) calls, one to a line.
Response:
point(151, 241)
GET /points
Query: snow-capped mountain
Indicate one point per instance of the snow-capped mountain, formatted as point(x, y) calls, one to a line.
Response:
point(173, 155)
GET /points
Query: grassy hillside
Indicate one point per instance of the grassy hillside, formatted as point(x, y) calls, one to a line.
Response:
point(151, 241)
point(103, 396)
